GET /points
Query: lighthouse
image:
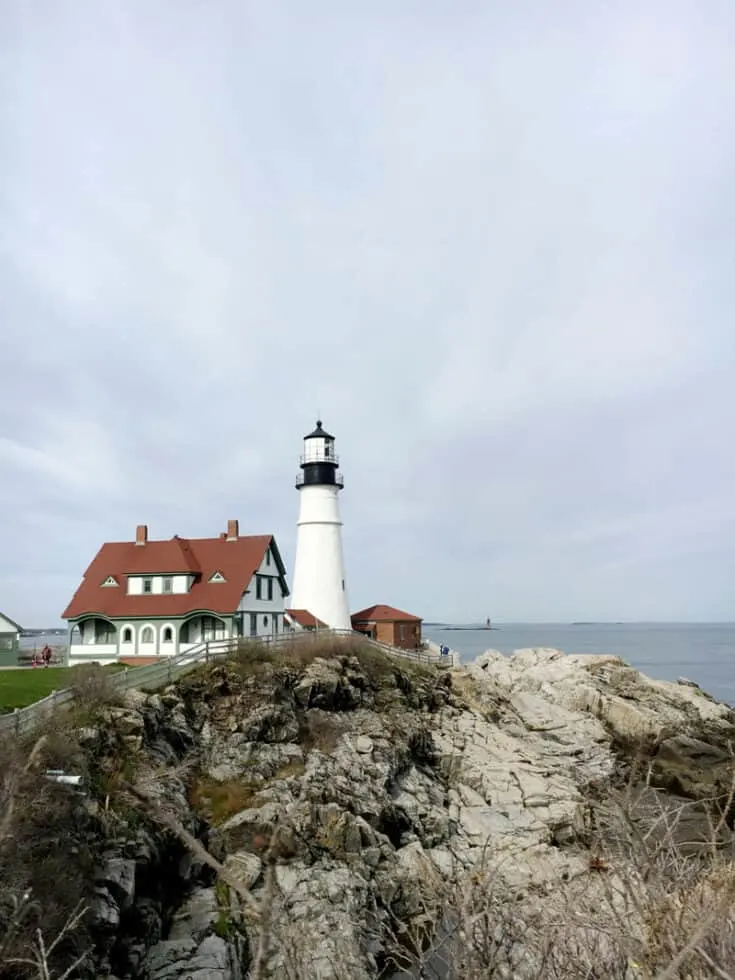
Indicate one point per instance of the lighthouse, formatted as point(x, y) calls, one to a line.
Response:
point(319, 571)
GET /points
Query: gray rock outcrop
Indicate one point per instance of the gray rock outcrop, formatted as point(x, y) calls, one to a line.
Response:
point(361, 803)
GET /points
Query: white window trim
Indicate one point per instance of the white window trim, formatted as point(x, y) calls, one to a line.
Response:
point(140, 635)
point(172, 627)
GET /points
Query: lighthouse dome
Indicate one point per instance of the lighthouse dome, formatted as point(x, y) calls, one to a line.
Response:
point(319, 432)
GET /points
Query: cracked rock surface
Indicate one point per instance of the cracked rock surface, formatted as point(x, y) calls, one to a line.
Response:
point(337, 789)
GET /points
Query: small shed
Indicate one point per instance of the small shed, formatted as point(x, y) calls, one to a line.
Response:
point(9, 641)
point(389, 625)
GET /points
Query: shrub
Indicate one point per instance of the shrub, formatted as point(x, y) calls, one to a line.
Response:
point(92, 687)
point(49, 846)
point(319, 730)
point(217, 801)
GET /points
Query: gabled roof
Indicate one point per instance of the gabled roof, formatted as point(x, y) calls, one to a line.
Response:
point(11, 621)
point(386, 614)
point(237, 560)
point(306, 619)
point(163, 557)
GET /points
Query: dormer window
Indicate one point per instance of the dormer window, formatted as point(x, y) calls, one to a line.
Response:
point(147, 586)
point(168, 584)
point(217, 577)
point(110, 580)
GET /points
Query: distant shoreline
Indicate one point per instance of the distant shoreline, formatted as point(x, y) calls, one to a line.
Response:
point(471, 629)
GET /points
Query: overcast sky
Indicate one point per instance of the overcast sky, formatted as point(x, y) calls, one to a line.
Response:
point(490, 243)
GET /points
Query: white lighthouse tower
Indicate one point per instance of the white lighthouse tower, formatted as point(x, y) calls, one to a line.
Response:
point(319, 571)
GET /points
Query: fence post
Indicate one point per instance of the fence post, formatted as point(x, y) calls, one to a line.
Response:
point(16, 718)
point(168, 665)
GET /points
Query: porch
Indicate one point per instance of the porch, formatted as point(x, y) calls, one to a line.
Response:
point(92, 639)
point(96, 638)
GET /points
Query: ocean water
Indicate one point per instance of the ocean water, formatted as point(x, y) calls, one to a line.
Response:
point(702, 652)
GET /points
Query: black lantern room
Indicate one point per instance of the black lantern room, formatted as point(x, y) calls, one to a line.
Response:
point(319, 462)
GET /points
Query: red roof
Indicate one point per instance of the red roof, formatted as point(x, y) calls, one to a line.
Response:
point(385, 614)
point(237, 560)
point(306, 619)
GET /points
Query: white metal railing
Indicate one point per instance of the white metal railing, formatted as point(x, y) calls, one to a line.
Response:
point(163, 672)
point(318, 457)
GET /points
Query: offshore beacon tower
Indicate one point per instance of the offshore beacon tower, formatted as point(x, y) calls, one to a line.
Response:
point(319, 570)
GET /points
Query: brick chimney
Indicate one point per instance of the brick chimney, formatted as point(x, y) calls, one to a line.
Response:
point(141, 534)
point(233, 530)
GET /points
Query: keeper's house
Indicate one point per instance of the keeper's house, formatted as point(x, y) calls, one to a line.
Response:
point(147, 599)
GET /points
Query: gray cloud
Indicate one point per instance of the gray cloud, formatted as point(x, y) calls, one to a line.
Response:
point(491, 245)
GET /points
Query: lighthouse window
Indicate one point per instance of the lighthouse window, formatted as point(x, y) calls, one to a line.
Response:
point(327, 449)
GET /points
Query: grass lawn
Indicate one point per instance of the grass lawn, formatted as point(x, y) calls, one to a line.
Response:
point(19, 688)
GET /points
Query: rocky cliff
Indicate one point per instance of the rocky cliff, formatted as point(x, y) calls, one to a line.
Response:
point(334, 813)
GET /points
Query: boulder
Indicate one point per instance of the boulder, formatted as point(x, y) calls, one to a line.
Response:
point(117, 876)
point(363, 744)
point(185, 959)
point(197, 916)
